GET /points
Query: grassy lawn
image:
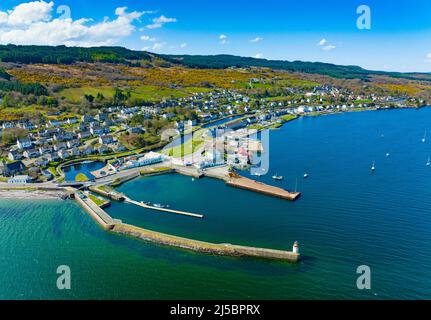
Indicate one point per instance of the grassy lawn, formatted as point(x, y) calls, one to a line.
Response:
point(80, 177)
point(53, 171)
point(98, 201)
point(105, 188)
point(189, 146)
point(76, 94)
point(288, 117)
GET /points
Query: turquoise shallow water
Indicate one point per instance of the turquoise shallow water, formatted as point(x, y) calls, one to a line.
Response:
point(346, 217)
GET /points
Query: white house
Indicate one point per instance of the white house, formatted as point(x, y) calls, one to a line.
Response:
point(24, 143)
point(14, 155)
point(31, 153)
point(19, 180)
point(106, 139)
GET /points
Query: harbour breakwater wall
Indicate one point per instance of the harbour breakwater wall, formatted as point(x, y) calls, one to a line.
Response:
point(204, 247)
point(97, 213)
point(117, 226)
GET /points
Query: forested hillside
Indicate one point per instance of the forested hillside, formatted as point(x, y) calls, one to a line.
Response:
point(332, 70)
point(69, 55)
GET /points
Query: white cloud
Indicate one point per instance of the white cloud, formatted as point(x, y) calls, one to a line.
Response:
point(158, 46)
point(257, 39)
point(329, 47)
point(25, 14)
point(223, 39)
point(183, 45)
point(428, 57)
point(160, 21)
point(33, 23)
point(259, 56)
point(322, 42)
point(148, 38)
point(325, 45)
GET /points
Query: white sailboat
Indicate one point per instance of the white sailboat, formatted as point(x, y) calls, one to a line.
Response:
point(373, 167)
point(305, 175)
point(388, 155)
point(428, 162)
point(277, 177)
point(425, 137)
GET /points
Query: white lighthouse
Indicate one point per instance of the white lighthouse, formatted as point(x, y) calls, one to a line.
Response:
point(295, 248)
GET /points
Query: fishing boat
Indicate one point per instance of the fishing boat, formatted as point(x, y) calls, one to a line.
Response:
point(428, 162)
point(388, 155)
point(373, 167)
point(158, 205)
point(277, 177)
point(305, 175)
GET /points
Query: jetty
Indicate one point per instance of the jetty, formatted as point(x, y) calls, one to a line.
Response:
point(117, 226)
point(114, 195)
point(252, 185)
point(235, 180)
point(146, 206)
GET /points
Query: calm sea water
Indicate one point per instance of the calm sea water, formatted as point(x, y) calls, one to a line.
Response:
point(86, 168)
point(346, 217)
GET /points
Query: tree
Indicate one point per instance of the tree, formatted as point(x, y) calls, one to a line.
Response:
point(10, 136)
point(119, 96)
point(89, 98)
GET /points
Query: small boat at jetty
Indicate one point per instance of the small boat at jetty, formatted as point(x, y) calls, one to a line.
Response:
point(158, 205)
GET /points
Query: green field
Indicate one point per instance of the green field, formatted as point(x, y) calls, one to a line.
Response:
point(144, 92)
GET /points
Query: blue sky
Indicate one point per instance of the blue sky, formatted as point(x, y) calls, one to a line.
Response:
point(309, 30)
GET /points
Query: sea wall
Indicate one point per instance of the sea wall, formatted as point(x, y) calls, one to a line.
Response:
point(124, 179)
point(156, 173)
point(203, 247)
point(98, 214)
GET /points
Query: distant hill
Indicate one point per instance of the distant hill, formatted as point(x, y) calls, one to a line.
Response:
point(332, 70)
point(69, 55)
point(120, 55)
